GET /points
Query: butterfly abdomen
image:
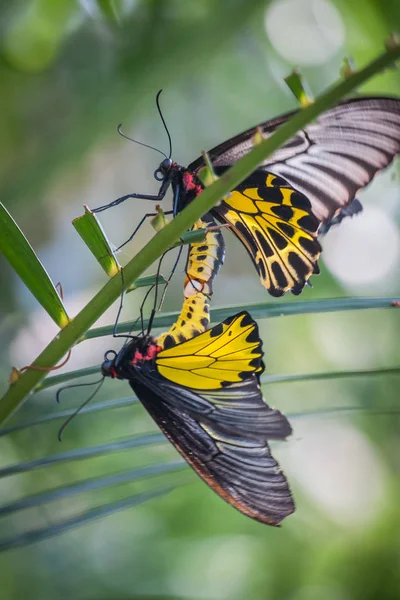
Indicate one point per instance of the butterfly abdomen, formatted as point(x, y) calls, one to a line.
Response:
point(204, 262)
point(194, 318)
point(205, 258)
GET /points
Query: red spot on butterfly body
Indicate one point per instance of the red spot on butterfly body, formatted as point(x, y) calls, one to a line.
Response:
point(151, 352)
point(137, 357)
point(189, 183)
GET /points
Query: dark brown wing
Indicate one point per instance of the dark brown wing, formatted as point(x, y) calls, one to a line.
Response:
point(239, 468)
point(331, 159)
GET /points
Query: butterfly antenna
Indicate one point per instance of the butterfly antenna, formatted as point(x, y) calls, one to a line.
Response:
point(154, 286)
point(121, 305)
point(164, 123)
point(122, 134)
point(142, 308)
point(141, 316)
point(74, 385)
point(153, 310)
point(128, 335)
point(78, 410)
point(155, 307)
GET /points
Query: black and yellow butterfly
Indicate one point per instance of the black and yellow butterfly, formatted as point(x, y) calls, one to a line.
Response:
point(309, 183)
point(205, 396)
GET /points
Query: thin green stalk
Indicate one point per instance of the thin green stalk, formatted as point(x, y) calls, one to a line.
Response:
point(268, 379)
point(91, 484)
point(137, 441)
point(165, 238)
point(35, 535)
point(260, 310)
point(64, 414)
point(62, 377)
point(339, 411)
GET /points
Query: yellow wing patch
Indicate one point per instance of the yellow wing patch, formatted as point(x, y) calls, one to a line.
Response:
point(228, 353)
point(278, 228)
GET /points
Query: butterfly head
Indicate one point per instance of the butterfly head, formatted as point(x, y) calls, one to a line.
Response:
point(138, 352)
point(163, 170)
point(108, 367)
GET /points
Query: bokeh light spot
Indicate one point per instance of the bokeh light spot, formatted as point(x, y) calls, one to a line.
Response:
point(335, 464)
point(363, 250)
point(304, 32)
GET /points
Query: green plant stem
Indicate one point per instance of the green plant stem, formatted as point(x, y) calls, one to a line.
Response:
point(260, 310)
point(269, 379)
point(165, 238)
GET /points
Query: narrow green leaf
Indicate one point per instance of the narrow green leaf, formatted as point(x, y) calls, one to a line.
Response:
point(263, 310)
point(64, 377)
point(93, 235)
point(21, 256)
point(268, 379)
point(36, 535)
point(64, 414)
point(206, 174)
point(348, 67)
point(91, 484)
point(159, 221)
point(84, 453)
point(299, 88)
point(340, 410)
point(191, 237)
point(146, 282)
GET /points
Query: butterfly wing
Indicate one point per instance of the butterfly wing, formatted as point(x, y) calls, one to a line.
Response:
point(220, 424)
point(228, 353)
point(331, 159)
point(320, 171)
point(277, 227)
point(241, 470)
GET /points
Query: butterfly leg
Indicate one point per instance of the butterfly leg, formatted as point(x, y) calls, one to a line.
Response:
point(142, 220)
point(123, 198)
point(154, 197)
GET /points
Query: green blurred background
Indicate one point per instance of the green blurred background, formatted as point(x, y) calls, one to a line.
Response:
point(70, 73)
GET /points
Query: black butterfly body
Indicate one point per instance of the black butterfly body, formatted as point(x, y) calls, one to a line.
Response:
point(305, 187)
point(205, 396)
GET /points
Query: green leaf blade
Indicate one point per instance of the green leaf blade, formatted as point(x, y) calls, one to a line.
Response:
point(19, 253)
point(36, 535)
point(96, 240)
point(91, 484)
point(261, 310)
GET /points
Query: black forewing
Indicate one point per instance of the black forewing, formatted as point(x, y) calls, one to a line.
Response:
point(238, 466)
point(332, 158)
